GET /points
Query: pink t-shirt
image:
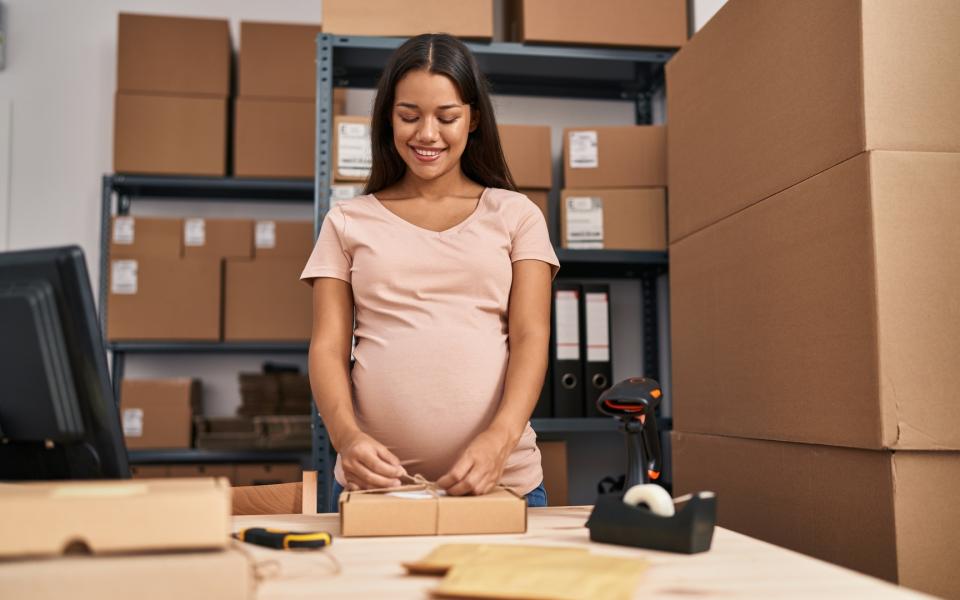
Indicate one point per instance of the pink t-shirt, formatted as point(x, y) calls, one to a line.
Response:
point(431, 324)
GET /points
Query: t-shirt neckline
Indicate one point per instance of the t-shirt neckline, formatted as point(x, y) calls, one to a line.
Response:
point(446, 231)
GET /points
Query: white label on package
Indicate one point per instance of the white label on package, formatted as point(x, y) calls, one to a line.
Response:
point(567, 305)
point(583, 150)
point(342, 192)
point(265, 234)
point(123, 277)
point(584, 222)
point(354, 155)
point(195, 232)
point(416, 495)
point(123, 230)
point(133, 422)
point(598, 327)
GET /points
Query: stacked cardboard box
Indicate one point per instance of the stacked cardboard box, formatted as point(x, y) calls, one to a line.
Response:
point(614, 193)
point(814, 311)
point(274, 394)
point(158, 413)
point(466, 18)
point(527, 150)
point(173, 80)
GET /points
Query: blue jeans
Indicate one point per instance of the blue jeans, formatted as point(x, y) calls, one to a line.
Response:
point(536, 498)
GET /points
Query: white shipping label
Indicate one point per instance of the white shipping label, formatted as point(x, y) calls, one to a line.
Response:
point(132, 422)
point(123, 277)
point(567, 333)
point(195, 232)
point(598, 326)
point(584, 222)
point(123, 230)
point(583, 150)
point(340, 193)
point(265, 234)
point(354, 153)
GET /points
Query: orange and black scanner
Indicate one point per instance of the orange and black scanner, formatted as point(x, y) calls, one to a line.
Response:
point(633, 402)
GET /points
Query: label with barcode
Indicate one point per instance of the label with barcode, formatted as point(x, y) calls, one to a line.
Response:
point(584, 222)
point(123, 277)
point(341, 192)
point(132, 422)
point(194, 232)
point(583, 150)
point(597, 326)
point(265, 234)
point(123, 230)
point(566, 303)
point(354, 154)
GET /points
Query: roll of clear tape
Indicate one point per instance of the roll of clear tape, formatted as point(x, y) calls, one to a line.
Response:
point(655, 497)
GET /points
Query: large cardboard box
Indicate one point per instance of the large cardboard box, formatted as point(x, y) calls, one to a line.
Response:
point(217, 238)
point(352, 153)
point(265, 301)
point(170, 135)
point(827, 313)
point(274, 138)
point(553, 457)
point(278, 60)
point(466, 18)
point(283, 239)
point(158, 413)
point(889, 514)
point(365, 514)
point(615, 219)
point(44, 519)
point(615, 157)
point(145, 237)
point(173, 55)
point(882, 77)
point(650, 23)
point(164, 299)
point(528, 154)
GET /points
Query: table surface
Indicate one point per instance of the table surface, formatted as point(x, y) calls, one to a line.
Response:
point(736, 566)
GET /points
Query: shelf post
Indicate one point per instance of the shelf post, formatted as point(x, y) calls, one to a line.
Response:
point(324, 138)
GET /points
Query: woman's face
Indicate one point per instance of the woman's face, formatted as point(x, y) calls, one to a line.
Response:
point(430, 124)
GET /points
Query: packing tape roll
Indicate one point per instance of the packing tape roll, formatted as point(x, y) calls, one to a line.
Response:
point(654, 496)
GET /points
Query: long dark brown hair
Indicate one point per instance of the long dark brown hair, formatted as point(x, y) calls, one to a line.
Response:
point(443, 54)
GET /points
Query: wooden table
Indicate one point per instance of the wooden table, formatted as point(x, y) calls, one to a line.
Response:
point(736, 566)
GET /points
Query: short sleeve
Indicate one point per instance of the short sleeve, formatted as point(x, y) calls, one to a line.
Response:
point(329, 257)
point(531, 240)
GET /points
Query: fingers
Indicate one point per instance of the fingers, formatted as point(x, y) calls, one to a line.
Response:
point(456, 474)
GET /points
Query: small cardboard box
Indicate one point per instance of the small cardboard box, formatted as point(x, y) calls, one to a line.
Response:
point(251, 313)
point(368, 514)
point(173, 55)
point(267, 473)
point(145, 237)
point(164, 299)
point(170, 135)
point(278, 60)
point(528, 154)
point(352, 154)
point(217, 238)
point(615, 157)
point(624, 219)
point(274, 138)
point(158, 413)
point(465, 18)
point(283, 239)
point(44, 519)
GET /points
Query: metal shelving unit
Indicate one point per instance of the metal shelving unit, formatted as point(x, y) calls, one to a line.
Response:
point(192, 455)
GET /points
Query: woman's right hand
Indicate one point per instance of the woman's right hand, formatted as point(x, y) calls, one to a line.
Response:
point(367, 464)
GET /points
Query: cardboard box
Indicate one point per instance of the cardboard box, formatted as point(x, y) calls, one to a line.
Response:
point(278, 60)
point(164, 299)
point(528, 154)
point(542, 199)
point(283, 314)
point(226, 471)
point(466, 18)
point(170, 135)
point(352, 154)
point(145, 237)
point(553, 457)
point(827, 313)
point(739, 129)
point(217, 238)
point(274, 138)
point(339, 101)
point(158, 413)
point(615, 157)
point(341, 192)
point(629, 219)
point(649, 23)
point(268, 473)
point(173, 55)
point(283, 239)
point(44, 519)
point(368, 514)
point(149, 471)
point(814, 499)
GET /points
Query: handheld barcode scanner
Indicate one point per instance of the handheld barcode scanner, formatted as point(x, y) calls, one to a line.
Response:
point(633, 402)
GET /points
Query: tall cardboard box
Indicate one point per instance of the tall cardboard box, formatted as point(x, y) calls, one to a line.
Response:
point(145, 237)
point(158, 413)
point(352, 153)
point(615, 157)
point(217, 238)
point(265, 301)
point(614, 219)
point(888, 514)
point(466, 18)
point(277, 60)
point(528, 154)
point(882, 77)
point(283, 239)
point(274, 138)
point(827, 313)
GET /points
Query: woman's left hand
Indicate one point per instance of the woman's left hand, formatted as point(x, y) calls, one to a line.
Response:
point(479, 468)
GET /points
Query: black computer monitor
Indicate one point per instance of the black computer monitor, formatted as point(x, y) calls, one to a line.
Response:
point(58, 416)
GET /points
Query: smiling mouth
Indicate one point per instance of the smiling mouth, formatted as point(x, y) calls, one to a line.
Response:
point(427, 154)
